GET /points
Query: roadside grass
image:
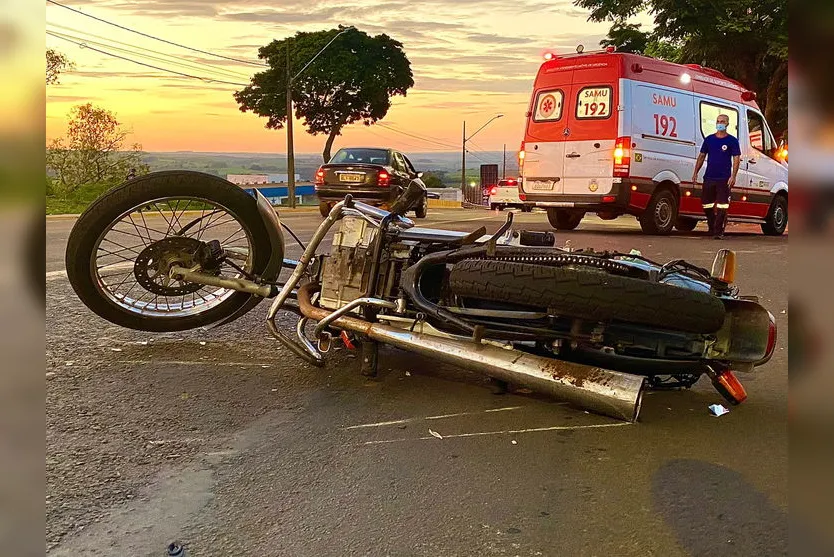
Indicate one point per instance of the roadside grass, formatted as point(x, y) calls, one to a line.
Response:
point(76, 201)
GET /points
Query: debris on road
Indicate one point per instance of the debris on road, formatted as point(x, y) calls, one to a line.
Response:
point(435, 434)
point(116, 349)
point(202, 343)
point(718, 410)
point(408, 374)
point(514, 442)
point(50, 375)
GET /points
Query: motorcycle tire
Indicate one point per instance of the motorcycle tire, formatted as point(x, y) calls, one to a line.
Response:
point(590, 294)
point(112, 205)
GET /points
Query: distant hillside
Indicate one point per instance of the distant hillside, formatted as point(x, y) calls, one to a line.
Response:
point(306, 164)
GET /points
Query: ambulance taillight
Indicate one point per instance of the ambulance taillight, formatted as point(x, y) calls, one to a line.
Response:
point(622, 157)
point(521, 155)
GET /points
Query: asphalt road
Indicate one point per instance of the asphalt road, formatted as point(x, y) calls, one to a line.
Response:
point(225, 441)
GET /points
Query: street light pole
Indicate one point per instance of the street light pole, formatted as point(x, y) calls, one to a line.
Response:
point(290, 147)
point(463, 152)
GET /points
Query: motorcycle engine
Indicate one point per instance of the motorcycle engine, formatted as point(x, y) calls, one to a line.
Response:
point(345, 272)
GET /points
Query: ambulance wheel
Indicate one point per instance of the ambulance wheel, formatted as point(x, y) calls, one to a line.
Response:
point(661, 214)
point(686, 224)
point(777, 217)
point(561, 219)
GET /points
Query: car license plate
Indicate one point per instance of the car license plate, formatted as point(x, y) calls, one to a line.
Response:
point(541, 184)
point(351, 177)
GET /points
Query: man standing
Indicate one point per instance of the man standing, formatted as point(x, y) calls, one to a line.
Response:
point(723, 154)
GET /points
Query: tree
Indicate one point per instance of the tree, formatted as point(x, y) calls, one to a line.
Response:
point(746, 40)
point(92, 150)
point(627, 37)
point(432, 181)
point(353, 80)
point(56, 64)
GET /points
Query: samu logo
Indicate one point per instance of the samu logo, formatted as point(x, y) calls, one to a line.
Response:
point(723, 147)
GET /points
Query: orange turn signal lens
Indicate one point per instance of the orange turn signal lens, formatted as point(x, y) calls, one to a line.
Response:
point(733, 386)
point(724, 266)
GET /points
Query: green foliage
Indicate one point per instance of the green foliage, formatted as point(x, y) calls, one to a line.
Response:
point(746, 40)
point(92, 152)
point(74, 202)
point(353, 80)
point(432, 181)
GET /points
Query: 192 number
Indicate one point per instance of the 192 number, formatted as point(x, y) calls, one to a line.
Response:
point(594, 109)
point(665, 125)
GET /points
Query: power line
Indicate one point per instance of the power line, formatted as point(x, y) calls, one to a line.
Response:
point(86, 34)
point(181, 74)
point(187, 64)
point(406, 142)
point(423, 135)
point(436, 142)
point(156, 38)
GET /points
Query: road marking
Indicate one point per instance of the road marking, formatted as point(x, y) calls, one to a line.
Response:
point(190, 363)
point(440, 417)
point(52, 275)
point(434, 224)
point(503, 432)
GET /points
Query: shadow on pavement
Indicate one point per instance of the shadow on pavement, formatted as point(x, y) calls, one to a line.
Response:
point(714, 511)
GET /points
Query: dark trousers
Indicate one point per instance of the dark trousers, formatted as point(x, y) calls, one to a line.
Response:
point(715, 198)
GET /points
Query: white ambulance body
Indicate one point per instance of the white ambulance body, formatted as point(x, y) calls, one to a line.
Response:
point(615, 134)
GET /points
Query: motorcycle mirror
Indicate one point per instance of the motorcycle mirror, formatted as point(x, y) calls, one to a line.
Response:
point(409, 198)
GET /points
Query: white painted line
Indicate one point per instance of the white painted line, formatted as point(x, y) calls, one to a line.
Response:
point(440, 417)
point(504, 432)
point(434, 224)
point(189, 363)
point(53, 275)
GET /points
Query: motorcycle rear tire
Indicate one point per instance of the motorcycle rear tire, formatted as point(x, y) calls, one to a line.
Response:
point(590, 294)
point(80, 255)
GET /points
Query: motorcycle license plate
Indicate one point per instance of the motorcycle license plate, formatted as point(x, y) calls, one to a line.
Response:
point(350, 177)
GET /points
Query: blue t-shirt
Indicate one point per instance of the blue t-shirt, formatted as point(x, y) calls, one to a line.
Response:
point(720, 153)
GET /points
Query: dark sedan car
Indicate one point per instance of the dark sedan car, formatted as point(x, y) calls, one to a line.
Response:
point(371, 175)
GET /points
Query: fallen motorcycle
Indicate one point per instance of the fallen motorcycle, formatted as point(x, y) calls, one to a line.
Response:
point(178, 250)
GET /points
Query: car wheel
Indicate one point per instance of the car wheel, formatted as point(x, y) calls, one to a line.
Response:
point(777, 217)
point(324, 208)
point(561, 219)
point(422, 209)
point(661, 213)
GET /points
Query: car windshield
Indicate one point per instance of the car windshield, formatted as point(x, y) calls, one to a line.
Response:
point(366, 156)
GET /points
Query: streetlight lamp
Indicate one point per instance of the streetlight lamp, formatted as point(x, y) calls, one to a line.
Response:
point(290, 147)
point(463, 150)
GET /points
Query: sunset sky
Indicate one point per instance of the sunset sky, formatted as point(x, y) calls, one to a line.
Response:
point(471, 59)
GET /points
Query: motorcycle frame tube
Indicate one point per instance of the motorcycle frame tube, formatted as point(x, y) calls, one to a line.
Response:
point(603, 391)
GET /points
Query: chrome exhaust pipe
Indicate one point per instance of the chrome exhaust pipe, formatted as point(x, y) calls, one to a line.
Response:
point(602, 391)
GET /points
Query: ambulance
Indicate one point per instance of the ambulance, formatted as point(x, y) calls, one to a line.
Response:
point(617, 134)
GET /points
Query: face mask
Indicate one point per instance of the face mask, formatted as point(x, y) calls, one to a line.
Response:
point(721, 127)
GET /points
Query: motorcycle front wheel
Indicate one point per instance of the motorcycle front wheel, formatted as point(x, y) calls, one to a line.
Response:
point(121, 249)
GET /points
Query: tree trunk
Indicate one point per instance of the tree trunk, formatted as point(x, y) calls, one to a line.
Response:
point(775, 88)
point(328, 145)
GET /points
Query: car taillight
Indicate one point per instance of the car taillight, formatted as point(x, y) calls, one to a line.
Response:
point(493, 190)
point(319, 181)
point(383, 179)
point(521, 155)
point(622, 157)
point(732, 386)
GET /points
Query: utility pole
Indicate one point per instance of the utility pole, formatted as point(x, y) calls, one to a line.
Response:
point(463, 164)
point(504, 166)
point(290, 147)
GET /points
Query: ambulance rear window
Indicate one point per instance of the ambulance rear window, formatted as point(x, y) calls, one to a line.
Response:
point(594, 102)
point(549, 105)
